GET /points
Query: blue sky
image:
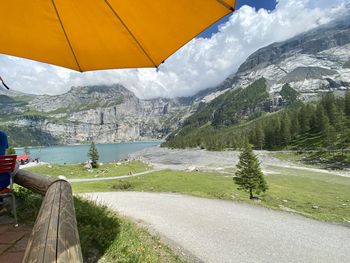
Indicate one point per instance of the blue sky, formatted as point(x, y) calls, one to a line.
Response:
point(257, 4)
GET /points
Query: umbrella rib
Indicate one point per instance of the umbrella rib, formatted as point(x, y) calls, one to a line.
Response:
point(226, 5)
point(129, 31)
point(66, 36)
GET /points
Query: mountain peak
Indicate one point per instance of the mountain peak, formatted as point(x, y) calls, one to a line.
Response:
point(102, 89)
point(333, 34)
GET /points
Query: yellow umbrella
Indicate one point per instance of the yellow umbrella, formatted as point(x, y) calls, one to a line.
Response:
point(104, 34)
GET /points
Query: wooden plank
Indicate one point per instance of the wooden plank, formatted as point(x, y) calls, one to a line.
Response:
point(68, 246)
point(37, 183)
point(55, 236)
point(51, 237)
point(36, 247)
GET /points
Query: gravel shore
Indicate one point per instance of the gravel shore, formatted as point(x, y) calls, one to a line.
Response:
point(193, 159)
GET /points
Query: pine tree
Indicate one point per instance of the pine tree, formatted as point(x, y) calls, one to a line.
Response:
point(330, 106)
point(331, 138)
point(295, 127)
point(304, 119)
point(285, 134)
point(322, 123)
point(249, 176)
point(347, 104)
point(93, 155)
point(344, 140)
point(259, 136)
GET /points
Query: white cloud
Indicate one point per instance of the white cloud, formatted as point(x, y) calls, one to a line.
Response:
point(200, 64)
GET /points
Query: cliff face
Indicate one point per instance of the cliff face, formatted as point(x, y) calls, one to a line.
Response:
point(100, 113)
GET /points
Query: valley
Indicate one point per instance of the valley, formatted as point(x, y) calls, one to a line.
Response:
point(175, 131)
point(273, 82)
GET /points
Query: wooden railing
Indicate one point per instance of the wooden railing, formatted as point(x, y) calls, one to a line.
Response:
point(55, 236)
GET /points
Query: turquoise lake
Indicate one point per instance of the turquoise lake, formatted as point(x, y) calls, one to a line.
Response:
point(78, 153)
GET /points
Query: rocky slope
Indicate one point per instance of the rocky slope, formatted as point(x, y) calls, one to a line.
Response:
point(99, 113)
point(301, 68)
point(312, 63)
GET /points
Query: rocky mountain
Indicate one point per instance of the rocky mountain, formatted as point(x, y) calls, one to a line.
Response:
point(299, 69)
point(305, 66)
point(99, 113)
point(312, 63)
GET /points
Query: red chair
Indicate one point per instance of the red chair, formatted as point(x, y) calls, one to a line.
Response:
point(8, 165)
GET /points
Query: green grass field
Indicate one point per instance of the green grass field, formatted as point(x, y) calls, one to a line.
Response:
point(289, 189)
point(78, 170)
point(110, 237)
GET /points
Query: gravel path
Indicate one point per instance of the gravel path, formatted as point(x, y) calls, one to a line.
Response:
point(224, 231)
point(79, 180)
point(190, 159)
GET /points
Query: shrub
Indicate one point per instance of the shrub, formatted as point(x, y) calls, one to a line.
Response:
point(123, 185)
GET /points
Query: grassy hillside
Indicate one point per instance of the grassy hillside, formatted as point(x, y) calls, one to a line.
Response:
point(206, 127)
point(240, 115)
point(216, 125)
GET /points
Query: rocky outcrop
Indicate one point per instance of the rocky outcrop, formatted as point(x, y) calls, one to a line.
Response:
point(102, 114)
point(347, 64)
point(311, 63)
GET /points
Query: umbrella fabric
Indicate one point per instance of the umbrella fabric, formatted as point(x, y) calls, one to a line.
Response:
point(104, 34)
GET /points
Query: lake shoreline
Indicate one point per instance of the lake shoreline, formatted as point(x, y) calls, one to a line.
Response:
point(81, 144)
point(76, 154)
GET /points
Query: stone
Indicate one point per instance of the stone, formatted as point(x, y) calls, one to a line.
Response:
point(88, 166)
point(285, 201)
point(315, 207)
